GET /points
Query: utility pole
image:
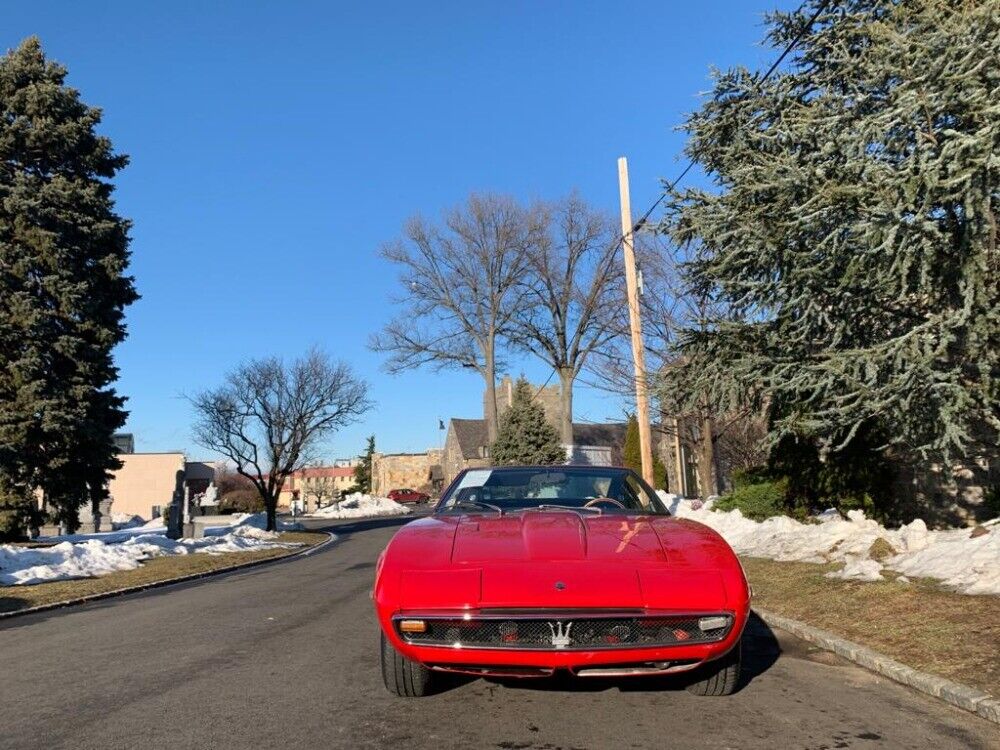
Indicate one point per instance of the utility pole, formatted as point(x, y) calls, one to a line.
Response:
point(635, 326)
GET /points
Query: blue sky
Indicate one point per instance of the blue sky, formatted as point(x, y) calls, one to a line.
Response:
point(275, 146)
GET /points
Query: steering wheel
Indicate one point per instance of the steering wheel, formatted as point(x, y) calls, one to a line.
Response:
point(598, 500)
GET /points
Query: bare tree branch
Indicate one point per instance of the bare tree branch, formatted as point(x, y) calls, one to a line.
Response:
point(571, 295)
point(269, 418)
point(461, 287)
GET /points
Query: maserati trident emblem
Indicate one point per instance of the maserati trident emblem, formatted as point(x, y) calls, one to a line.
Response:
point(560, 634)
point(560, 585)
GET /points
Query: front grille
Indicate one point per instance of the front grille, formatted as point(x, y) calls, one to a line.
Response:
point(558, 632)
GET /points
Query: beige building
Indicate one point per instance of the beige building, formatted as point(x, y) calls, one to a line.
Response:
point(148, 482)
point(415, 471)
point(316, 486)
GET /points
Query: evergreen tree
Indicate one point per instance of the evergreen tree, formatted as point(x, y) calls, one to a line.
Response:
point(363, 471)
point(632, 455)
point(852, 229)
point(525, 437)
point(63, 291)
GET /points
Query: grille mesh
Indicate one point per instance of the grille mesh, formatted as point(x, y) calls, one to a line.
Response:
point(567, 632)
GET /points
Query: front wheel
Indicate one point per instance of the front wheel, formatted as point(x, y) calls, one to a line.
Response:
point(719, 677)
point(404, 677)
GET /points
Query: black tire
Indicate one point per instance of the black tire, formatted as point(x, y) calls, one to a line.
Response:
point(719, 677)
point(402, 676)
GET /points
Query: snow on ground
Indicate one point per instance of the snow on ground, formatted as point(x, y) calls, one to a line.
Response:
point(359, 505)
point(89, 555)
point(256, 520)
point(970, 565)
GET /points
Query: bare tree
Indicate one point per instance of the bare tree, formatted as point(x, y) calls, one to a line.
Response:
point(269, 418)
point(319, 488)
point(574, 295)
point(461, 288)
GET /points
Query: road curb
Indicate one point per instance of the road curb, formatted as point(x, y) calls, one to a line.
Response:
point(331, 538)
point(961, 696)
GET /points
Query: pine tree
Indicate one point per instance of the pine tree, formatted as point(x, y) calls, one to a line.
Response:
point(525, 437)
point(63, 291)
point(363, 471)
point(853, 229)
point(632, 455)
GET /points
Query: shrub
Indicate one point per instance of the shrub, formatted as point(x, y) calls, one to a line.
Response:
point(758, 501)
point(751, 475)
point(241, 501)
point(858, 477)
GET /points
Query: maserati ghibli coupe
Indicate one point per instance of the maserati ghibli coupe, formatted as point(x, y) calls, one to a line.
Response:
point(526, 571)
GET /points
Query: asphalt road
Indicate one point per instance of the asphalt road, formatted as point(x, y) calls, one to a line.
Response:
point(284, 656)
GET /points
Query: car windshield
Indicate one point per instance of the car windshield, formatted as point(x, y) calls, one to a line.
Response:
point(590, 489)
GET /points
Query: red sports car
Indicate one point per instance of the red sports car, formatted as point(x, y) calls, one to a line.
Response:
point(408, 496)
point(523, 571)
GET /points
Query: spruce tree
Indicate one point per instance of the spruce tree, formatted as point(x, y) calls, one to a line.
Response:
point(525, 437)
point(63, 290)
point(852, 228)
point(363, 470)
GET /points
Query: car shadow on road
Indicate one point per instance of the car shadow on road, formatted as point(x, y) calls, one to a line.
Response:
point(760, 651)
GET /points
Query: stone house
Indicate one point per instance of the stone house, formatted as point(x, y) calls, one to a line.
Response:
point(466, 445)
point(547, 396)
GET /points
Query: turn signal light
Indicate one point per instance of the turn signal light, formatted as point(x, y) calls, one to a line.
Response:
point(412, 626)
point(712, 623)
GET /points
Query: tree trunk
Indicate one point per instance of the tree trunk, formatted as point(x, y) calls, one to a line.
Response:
point(490, 411)
point(566, 378)
point(706, 459)
point(271, 506)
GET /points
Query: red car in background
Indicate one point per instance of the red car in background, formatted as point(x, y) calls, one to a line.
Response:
point(525, 571)
point(408, 496)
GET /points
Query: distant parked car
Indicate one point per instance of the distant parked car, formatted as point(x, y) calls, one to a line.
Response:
point(408, 496)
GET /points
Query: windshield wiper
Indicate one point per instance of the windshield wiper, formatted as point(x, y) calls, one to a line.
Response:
point(476, 504)
point(592, 509)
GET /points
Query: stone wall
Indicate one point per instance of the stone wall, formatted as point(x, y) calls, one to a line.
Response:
point(547, 396)
point(392, 471)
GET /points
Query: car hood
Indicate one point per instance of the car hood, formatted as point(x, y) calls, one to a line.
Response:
point(553, 535)
point(561, 535)
point(562, 559)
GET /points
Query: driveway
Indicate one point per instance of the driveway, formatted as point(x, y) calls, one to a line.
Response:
point(284, 656)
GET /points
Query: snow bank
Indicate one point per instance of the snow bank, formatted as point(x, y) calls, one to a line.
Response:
point(250, 520)
point(970, 565)
point(359, 505)
point(97, 557)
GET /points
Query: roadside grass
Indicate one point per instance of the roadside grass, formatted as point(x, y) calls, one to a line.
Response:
point(154, 570)
point(920, 623)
